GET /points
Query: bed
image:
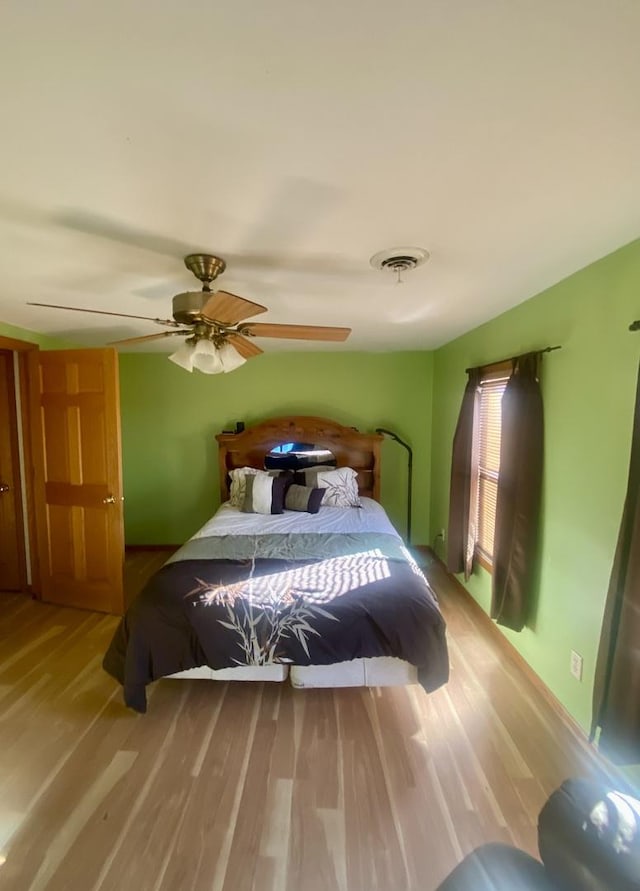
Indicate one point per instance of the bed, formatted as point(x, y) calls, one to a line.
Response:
point(323, 599)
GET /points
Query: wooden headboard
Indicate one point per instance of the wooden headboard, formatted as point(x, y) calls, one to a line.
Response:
point(350, 448)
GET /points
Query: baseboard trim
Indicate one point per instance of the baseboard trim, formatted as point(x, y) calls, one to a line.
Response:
point(611, 770)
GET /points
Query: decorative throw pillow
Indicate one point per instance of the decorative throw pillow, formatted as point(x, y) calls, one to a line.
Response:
point(303, 498)
point(238, 484)
point(307, 476)
point(341, 485)
point(264, 494)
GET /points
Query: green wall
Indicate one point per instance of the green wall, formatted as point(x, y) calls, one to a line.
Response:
point(170, 418)
point(588, 391)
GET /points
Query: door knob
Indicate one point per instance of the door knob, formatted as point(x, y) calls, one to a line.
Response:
point(109, 500)
point(4, 487)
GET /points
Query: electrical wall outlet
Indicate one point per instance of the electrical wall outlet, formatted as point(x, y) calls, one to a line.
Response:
point(576, 665)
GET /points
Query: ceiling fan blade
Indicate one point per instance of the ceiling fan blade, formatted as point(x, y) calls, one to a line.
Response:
point(245, 347)
point(296, 332)
point(229, 309)
point(148, 337)
point(102, 312)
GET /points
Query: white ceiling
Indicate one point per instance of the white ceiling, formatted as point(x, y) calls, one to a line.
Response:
point(296, 139)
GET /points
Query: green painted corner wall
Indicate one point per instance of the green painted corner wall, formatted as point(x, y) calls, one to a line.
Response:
point(170, 418)
point(588, 391)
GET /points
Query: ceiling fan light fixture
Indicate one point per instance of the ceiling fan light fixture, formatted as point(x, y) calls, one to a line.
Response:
point(206, 357)
point(230, 357)
point(183, 356)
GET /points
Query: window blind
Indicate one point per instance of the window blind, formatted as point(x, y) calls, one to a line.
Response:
point(488, 450)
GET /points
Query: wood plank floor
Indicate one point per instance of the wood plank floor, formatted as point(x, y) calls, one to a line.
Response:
point(259, 787)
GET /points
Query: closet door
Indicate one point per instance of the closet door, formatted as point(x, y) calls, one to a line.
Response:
point(79, 481)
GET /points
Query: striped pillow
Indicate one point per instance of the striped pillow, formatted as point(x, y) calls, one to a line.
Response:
point(238, 484)
point(303, 498)
point(238, 479)
point(264, 494)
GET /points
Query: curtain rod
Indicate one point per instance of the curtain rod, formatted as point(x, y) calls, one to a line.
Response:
point(511, 358)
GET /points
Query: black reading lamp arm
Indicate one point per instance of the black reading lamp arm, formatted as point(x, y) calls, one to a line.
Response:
point(395, 436)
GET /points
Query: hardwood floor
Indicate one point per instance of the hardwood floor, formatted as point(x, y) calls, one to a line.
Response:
point(259, 787)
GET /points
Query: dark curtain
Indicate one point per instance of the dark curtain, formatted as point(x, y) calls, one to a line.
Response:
point(616, 695)
point(519, 492)
point(459, 553)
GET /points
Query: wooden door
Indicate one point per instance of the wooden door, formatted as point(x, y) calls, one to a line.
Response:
point(80, 529)
point(13, 576)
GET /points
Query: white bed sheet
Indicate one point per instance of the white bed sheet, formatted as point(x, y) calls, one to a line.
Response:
point(228, 520)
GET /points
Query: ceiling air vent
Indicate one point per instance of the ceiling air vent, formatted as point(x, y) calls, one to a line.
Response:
point(399, 260)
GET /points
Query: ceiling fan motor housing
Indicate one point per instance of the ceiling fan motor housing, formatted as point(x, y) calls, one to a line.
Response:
point(188, 306)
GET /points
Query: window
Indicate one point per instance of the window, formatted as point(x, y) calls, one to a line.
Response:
point(486, 451)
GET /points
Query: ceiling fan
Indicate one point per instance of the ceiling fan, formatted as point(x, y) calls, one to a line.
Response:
point(218, 337)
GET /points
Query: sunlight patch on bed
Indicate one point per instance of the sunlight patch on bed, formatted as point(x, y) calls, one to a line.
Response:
point(315, 582)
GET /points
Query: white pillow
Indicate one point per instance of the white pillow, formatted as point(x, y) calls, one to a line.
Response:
point(341, 486)
point(239, 485)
